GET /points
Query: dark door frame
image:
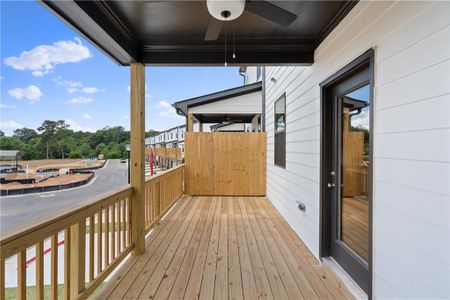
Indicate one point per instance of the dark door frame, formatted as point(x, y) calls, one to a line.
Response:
point(366, 60)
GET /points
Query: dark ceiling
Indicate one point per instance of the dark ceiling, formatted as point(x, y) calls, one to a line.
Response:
point(172, 32)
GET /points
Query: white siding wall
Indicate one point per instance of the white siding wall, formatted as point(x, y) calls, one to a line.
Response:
point(248, 103)
point(411, 146)
point(251, 75)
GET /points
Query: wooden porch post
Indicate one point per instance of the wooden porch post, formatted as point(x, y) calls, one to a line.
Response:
point(137, 156)
point(190, 127)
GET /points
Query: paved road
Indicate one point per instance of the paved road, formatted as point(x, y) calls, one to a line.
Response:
point(15, 210)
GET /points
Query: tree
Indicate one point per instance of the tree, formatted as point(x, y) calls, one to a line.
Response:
point(101, 149)
point(85, 150)
point(2, 133)
point(151, 133)
point(62, 133)
point(25, 134)
point(34, 149)
point(10, 143)
point(48, 130)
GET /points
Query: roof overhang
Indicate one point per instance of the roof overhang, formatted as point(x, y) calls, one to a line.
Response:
point(183, 106)
point(221, 118)
point(172, 32)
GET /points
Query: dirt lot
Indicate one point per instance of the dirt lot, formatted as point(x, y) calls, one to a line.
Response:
point(58, 163)
point(62, 179)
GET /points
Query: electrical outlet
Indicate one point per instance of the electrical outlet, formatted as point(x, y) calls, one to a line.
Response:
point(301, 206)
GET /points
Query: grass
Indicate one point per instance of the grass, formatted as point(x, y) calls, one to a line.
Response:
point(11, 293)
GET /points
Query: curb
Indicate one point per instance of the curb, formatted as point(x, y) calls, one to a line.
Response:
point(50, 188)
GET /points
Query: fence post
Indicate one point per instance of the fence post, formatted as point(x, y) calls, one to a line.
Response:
point(137, 151)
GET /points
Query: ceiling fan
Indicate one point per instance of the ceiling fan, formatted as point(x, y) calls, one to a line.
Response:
point(228, 10)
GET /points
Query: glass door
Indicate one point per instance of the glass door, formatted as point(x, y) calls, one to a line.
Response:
point(350, 176)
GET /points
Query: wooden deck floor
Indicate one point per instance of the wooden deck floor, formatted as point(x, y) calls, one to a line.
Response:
point(355, 225)
point(224, 248)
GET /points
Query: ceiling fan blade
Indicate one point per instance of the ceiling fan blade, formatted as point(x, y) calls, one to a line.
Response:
point(214, 29)
point(271, 12)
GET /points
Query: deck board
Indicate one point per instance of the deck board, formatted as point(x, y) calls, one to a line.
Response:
point(224, 248)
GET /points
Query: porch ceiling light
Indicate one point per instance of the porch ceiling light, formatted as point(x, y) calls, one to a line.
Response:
point(225, 10)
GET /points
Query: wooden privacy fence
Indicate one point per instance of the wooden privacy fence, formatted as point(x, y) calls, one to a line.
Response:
point(161, 192)
point(225, 163)
point(96, 236)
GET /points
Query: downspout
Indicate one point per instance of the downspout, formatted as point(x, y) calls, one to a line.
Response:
point(263, 92)
point(242, 73)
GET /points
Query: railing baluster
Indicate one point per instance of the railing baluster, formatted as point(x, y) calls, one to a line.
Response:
point(91, 247)
point(2, 278)
point(119, 227)
point(54, 268)
point(77, 258)
point(22, 274)
point(67, 264)
point(99, 241)
point(113, 236)
point(40, 270)
point(129, 220)
point(158, 199)
point(106, 236)
point(117, 244)
point(123, 225)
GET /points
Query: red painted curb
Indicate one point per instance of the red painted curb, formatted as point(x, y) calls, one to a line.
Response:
point(45, 252)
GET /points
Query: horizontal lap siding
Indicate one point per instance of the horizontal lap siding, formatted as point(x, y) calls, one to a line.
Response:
point(411, 136)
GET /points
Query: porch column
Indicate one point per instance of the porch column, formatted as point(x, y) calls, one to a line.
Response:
point(190, 123)
point(137, 155)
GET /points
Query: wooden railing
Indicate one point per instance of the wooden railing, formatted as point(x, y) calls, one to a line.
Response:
point(172, 153)
point(90, 252)
point(161, 192)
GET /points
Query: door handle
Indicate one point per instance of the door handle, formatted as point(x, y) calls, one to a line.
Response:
point(331, 185)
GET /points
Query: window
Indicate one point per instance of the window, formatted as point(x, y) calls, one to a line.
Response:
point(280, 132)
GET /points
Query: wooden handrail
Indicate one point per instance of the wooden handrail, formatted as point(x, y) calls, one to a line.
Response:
point(100, 227)
point(83, 227)
point(161, 193)
point(164, 173)
point(61, 219)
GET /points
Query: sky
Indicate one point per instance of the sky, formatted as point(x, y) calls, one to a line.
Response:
point(49, 71)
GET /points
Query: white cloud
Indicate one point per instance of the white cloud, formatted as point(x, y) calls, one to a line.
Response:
point(9, 126)
point(32, 93)
point(2, 105)
point(86, 116)
point(163, 105)
point(126, 117)
point(77, 127)
point(80, 100)
point(43, 58)
point(165, 109)
point(76, 86)
point(91, 90)
point(361, 120)
point(70, 86)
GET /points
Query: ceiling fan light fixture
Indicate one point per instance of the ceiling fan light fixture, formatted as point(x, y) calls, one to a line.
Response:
point(225, 10)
